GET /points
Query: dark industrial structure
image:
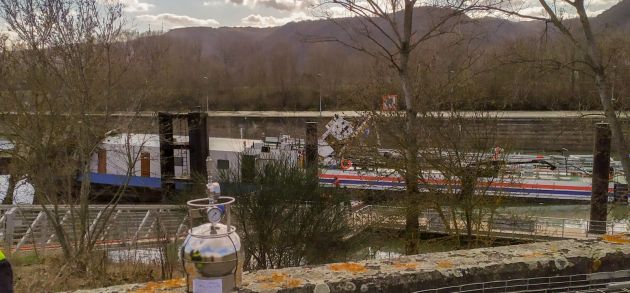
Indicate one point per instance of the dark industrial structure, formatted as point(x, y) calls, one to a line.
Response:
point(195, 124)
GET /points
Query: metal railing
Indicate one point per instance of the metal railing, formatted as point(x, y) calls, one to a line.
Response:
point(503, 225)
point(26, 227)
point(618, 281)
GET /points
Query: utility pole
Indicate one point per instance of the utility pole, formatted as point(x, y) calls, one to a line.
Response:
point(612, 90)
point(450, 93)
point(207, 101)
point(319, 80)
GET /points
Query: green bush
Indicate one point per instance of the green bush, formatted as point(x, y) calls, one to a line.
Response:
point(288, 219)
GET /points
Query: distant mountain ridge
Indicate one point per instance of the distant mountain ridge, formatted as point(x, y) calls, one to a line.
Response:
point(216, 41)
point(618, 16)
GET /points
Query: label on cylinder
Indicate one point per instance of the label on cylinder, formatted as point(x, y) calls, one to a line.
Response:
point(207, 286)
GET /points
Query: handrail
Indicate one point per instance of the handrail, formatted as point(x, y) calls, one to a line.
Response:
point(542, 226)
point(506, 214)
point(598, 282)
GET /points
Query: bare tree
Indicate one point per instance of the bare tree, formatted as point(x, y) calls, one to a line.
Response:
point(66, 62)
point(581, 35)
point(390, 32)
point(463, 151)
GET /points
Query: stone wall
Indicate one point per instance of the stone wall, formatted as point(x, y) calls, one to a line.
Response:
point(433, 270)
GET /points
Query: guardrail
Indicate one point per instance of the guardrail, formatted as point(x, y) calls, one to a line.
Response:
point(26, 227)
point(618, 281)
point(501, 225)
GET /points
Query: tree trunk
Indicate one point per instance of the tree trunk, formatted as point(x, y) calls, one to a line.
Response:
point(8, 199)
point(593, 57)
point(412, 224)
point(467, 192)
point(615, 125)
point(411, 175)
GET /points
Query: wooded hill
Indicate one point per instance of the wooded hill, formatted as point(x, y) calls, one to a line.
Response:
point(518, 65)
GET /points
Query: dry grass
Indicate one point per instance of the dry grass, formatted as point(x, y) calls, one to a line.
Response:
point(36, 273)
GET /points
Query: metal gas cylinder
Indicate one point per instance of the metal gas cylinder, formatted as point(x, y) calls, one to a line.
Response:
point(212, 253)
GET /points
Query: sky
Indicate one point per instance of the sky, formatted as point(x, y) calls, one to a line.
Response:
point(168, 14)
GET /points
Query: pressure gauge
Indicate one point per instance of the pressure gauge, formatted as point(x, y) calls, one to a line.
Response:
point(214, 215)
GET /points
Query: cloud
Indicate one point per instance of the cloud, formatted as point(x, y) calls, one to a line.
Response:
point(169, 20)
point(286, 5)
point(222, 2)
point(136, 6)
point(600, 4)
point(595, 13)
point(283, 5)
point(564, 10)
point(533, 11)
point(333, 11)
point(258, 20)
point(595, 7)
point(212, 3)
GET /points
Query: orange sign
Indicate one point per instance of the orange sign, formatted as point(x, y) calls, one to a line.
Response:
point(389, 103)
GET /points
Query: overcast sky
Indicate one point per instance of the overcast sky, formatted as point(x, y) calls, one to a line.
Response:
point(168, 14)
point(214, 13)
